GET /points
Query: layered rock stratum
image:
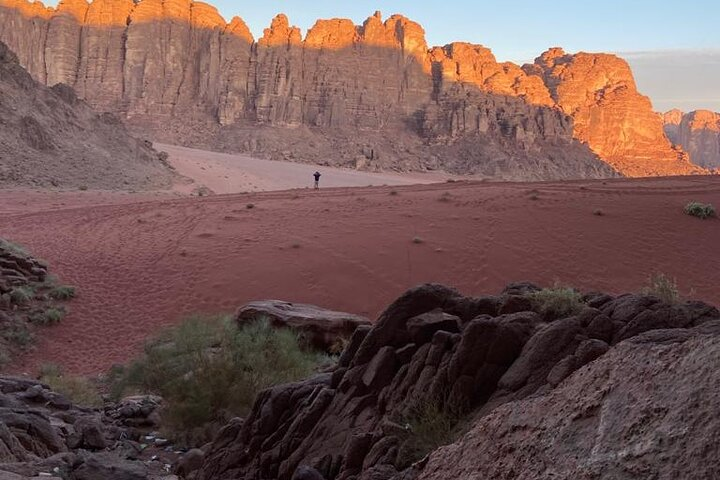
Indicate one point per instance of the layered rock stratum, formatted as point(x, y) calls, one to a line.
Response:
point(698, 133)
point(618, 387)
point(51, 138)
point(373, 96)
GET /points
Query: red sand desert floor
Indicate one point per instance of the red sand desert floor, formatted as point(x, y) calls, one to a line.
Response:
point(144, 265)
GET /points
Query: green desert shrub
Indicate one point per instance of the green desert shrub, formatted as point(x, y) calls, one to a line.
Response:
point(18, 335)
point(50, 316)
point(208, 370)
point(663, 287)
point(21, 295)
point(62, 292)
point(557, 302)
point(429, 426)
point(79, 390)
point(700, 210)
point(13, 248)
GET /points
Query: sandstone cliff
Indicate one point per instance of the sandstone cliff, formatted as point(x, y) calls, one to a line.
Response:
point(177, 70)
point(696, 132)
point(48, 137)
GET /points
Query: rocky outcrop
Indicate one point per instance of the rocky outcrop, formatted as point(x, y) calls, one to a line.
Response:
point(29, 297)
point(698, 133)
point(645, 409)
point(321, 329)
point(481, 359)
point(45, 435)
point(49, 137)
point(617, 122)
point(176, 69)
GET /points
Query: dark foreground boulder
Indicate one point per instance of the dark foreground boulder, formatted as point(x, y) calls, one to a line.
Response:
point(434, 354)
point(323, 329)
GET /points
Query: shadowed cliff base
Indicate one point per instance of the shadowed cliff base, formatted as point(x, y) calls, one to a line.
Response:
point(379, 77)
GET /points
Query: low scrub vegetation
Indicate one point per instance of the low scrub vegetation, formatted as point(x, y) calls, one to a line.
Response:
point(557, 302)
point(208, 370)
point(663, 287)
point(429, 426)
point(79, 390)
point(62, 292)
point(51, 316)
point(700, 210)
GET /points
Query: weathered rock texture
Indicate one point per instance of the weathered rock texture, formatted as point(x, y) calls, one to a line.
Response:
point(485, 357)
point(44, 435)
point(48, 137)
point(321, 329)
point(370, 96)
point(696, 132)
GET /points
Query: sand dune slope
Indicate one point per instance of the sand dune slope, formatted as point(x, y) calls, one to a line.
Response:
point(143, 265)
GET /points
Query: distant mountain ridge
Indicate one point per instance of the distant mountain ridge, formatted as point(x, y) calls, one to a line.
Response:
point(698, 133)
point(373, 96)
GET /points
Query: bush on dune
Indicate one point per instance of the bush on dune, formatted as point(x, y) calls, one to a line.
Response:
point(208, 370)
point(700, 210)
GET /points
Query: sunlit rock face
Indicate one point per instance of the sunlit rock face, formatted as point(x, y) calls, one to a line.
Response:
point(177, 64)
point(698, 133)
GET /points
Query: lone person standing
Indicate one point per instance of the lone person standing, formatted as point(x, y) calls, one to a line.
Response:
point(317, 180)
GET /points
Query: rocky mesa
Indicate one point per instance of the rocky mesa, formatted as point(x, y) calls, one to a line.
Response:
point(698, 133)
point(371, 96)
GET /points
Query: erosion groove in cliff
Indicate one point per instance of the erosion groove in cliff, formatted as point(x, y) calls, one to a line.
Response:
point(178, 70)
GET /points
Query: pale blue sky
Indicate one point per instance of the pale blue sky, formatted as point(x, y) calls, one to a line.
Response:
point(518, 30)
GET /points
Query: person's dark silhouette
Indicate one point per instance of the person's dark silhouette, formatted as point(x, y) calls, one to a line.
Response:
point(317, 179)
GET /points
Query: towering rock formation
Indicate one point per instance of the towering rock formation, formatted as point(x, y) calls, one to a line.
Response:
point(599, 92)
point(696, 132)
point(176, 69)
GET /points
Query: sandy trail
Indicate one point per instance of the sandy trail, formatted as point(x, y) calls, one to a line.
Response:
point(142, 265)
point(236, 173)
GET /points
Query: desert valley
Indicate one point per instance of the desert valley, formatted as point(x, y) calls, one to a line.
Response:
point(501, 270)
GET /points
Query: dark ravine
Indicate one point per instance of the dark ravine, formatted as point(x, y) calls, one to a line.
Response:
point(486, 355)
point(374, 96)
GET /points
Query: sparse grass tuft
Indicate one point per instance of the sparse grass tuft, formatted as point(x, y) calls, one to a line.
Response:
point(18, 335)
point(13, 248)
point(62, 292)
point(429, 426)
point(51, 316)
point(208, 370)
point(21, 295)
point(700, 210)
point(78, 390)
point(557, 302)
point(663, 287)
